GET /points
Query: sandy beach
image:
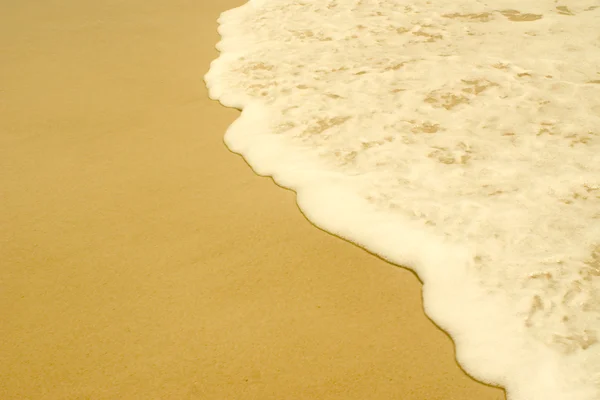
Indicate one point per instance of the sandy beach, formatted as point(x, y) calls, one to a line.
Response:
point(140, 259)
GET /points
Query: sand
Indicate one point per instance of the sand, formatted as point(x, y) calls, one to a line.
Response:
point(140, 259)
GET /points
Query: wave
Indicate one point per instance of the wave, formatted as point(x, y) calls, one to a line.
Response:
point(458, 139)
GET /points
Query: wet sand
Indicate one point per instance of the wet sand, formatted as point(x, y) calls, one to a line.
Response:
point(140, 259)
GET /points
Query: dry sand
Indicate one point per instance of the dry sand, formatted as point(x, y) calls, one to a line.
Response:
point(142, 260)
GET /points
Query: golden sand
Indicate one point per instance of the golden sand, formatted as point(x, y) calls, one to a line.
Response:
point(140, 259)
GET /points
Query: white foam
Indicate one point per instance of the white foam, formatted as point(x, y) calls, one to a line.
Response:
point(459, 139)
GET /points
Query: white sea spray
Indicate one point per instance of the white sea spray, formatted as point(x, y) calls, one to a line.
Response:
point(460, 139)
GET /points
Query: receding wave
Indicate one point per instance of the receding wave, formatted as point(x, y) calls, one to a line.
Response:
point(460, 139)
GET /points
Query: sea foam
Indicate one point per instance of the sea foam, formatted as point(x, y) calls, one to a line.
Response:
point(460, 139)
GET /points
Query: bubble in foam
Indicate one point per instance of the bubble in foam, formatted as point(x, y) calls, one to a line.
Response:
point(460, 139)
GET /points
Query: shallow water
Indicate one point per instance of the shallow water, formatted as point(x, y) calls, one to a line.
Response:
point(458, 139)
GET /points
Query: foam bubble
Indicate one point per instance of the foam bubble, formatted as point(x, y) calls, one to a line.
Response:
point(458, 139)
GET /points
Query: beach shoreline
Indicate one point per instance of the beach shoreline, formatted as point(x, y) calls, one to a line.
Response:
point(143, 260)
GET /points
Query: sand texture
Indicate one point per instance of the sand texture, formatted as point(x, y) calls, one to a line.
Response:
point(140, 259)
